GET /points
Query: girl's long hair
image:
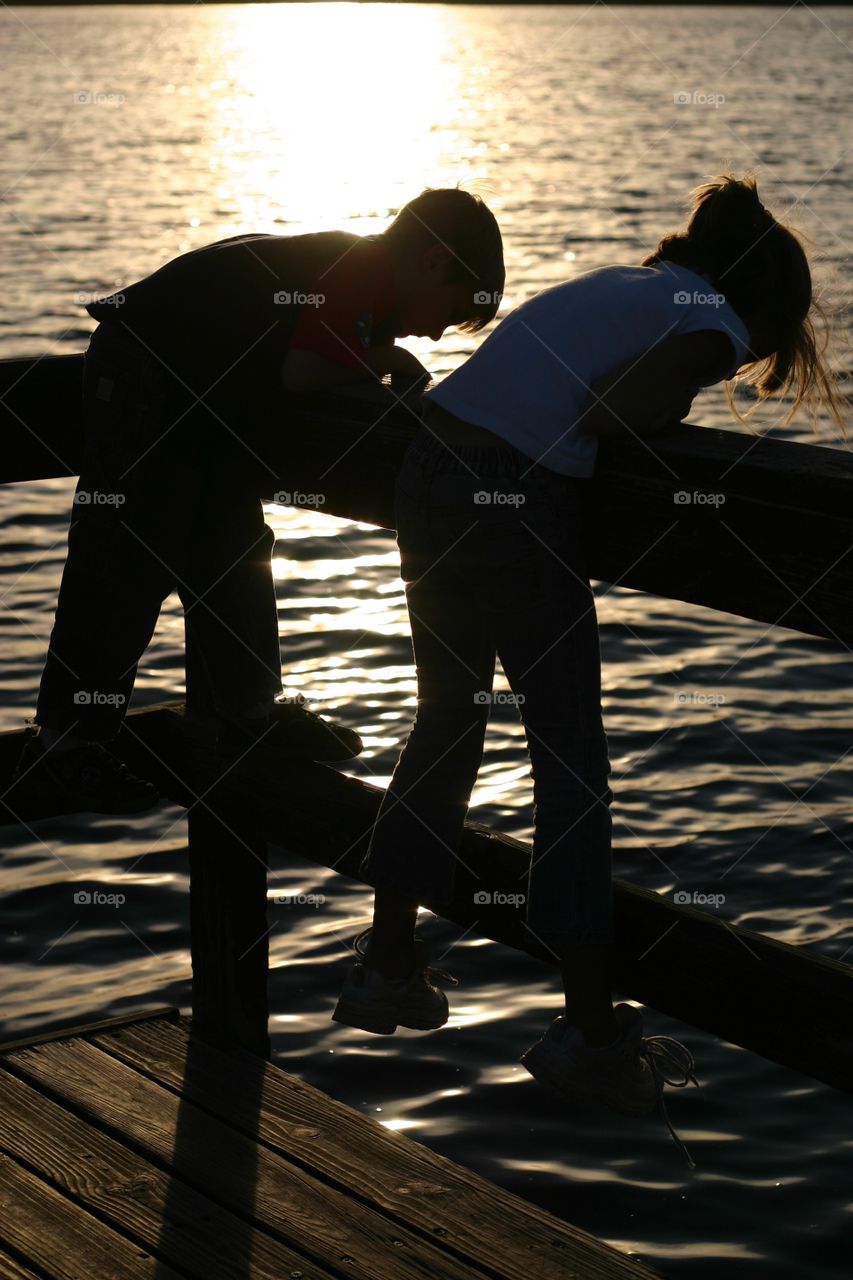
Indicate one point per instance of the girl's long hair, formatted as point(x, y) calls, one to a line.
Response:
point(761, 268)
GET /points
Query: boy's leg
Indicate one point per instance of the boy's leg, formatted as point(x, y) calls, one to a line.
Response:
point(129, 510)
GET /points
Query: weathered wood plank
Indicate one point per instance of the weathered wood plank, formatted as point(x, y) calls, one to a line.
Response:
point(402, 1178)
point(727, 980)
point(327, 1225)
point(11, 1269)
point(85, 1028)
point(61, 1240)
point(228, 903)
point(138, 1199)
point(777, 547)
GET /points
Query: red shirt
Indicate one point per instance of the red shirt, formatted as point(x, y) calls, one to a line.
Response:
point(351, 303)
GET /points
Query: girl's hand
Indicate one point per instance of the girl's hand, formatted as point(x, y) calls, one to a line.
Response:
point(658, 389)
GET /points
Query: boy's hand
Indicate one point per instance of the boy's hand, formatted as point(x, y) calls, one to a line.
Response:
point(397, 361)
point(304, 371)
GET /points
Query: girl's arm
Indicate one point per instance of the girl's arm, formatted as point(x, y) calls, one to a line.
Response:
point(646, 395)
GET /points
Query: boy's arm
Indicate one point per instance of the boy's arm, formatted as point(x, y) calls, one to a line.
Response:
point(657, 389)
point(305, 371)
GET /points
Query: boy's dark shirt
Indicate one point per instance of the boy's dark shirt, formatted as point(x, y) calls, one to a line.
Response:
point(227, 313)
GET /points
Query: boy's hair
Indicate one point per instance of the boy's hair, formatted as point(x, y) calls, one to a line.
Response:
point(761, 268)
point(465, 225)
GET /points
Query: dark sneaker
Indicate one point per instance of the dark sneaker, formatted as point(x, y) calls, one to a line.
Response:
point(627, 1076)
point(294, 731)
point(88, 778)
point(371, 1002)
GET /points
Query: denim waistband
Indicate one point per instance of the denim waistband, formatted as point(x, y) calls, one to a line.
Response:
point(434, 454)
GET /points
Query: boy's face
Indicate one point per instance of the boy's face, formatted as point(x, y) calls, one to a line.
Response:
point(428, 302)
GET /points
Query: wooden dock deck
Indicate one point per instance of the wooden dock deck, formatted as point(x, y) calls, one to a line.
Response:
point(134, 1149)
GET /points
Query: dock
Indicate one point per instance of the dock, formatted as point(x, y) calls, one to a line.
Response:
point(160, 1146)
point(135, 1150)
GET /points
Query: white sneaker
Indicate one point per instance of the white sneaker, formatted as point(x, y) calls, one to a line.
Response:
point(626, 1076)
point(374, 1003)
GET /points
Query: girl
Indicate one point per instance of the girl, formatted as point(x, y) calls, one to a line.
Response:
point(487, 504)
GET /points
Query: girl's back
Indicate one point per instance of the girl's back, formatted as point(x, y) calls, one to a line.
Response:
point(530, 381)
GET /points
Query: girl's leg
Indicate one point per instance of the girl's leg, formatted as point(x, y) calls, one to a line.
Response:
point(547, 639)
point(413, 849)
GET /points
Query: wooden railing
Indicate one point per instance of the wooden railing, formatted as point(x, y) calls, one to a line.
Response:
point(778, 548)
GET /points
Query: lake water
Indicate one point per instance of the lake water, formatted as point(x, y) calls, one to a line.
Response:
point(131, 135)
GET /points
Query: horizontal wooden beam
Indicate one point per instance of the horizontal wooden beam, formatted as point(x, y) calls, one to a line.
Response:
point(767, 532)
point(783, 1002)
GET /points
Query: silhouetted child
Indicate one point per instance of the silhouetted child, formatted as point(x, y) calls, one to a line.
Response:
point(489, 509)
point(185, 386)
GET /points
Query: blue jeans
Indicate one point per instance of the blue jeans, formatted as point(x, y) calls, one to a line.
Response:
point(492, 563)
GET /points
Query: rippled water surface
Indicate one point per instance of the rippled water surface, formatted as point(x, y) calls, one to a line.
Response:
point(131, 135)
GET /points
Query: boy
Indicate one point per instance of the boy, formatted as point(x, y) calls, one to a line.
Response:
point(183, 403)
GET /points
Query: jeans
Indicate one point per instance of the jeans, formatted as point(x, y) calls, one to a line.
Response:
point(492, 564)
point(157, 508)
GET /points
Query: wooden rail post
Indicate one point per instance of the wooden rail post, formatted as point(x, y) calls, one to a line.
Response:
point(228, 896)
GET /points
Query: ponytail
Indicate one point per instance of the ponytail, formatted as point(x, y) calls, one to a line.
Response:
point(761, 268)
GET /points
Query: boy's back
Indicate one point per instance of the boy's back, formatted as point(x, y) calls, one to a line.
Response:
point(224, 314)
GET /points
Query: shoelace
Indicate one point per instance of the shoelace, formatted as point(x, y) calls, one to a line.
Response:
point(661, 1052)
point(429, 970)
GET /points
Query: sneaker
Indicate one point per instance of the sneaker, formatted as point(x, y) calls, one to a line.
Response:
point(295, 731)
point(627, 1076)
point(374, 1003)
point(88, 778)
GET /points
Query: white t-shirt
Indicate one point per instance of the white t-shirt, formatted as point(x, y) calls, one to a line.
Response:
point(529, 381)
